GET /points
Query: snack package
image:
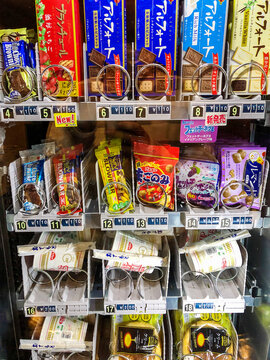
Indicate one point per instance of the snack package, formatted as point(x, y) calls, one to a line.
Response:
point(33, 177)
point(131, 244)
point(105, 23)
point(156, 43)
point(48, 149)
point(245, 164)
point(64, 331)
point(204, 36)
point(192, 179)
point(15, 48)
point(154, 166)
point(11, 35)
point(60, 43)
point(136, 336)
point(207, 335)
point(109, 161)
point(215, 258)
point(249, 41)
point(67, 174)
point(197, 132)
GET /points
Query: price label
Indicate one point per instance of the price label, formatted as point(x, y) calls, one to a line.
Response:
point(235, 111)
point(65, 119)
point(140, 112)
point(31, 311)
point(45, 113)
point(107, 224)
point(197, 112)
point(8, 113)
point(141, 224)
point(103, 112)
point(55, 225)
point(21, 225)
point(110, 309)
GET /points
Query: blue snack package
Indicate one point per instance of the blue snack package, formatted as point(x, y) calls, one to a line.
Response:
point(33, 177)
point(204, 30)
point(32, 55)
point(156, 41)
point(105, 26)
point(16, 53)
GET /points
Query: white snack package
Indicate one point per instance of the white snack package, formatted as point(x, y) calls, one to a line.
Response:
point(215, 258)
point(131, 244)
point(62, 330)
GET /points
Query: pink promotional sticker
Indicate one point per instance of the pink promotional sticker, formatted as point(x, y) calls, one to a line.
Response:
point(195, 131)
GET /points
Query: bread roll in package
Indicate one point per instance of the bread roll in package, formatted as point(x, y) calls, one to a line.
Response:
point(136, 337)
point(204, 336)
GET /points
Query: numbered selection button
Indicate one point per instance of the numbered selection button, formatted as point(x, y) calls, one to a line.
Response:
point(141, 224)
point(140, 112)
point(235, 111)
point(197, 112)
point(103, 113)
point(55, 225)
point(45, 113)
point(107, 224)
point(8, 113)
point(21, 225)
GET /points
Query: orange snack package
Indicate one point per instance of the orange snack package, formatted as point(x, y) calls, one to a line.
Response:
point(154, 166)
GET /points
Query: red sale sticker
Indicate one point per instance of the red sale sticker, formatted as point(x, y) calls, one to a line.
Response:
point(216, 119)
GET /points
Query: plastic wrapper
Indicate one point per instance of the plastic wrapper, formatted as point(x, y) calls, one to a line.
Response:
point(109, 159)
point(137, 337)
point(215, 258)
point(62, 330)
point(33, 180)
point(67, 174)
point(155, 173)
point(16, 51)
point(246, 165)
point(129, 243)
point(205, 335)
point(246, 350)
point(193, 182)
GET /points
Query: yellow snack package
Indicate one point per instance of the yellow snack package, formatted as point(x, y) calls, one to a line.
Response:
point(109, 160)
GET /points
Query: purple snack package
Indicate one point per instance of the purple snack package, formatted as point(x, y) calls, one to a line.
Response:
point(195, 131)
point(191, 172)
point(244, 164)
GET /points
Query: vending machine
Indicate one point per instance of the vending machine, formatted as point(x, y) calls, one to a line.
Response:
point(134, 192)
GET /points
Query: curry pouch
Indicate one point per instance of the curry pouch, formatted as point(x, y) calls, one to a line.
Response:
point(155, 165)
point(137, 338)
point(207, 335)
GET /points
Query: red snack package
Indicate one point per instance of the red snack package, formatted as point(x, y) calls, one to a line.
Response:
point(65, 168)
point(60, 43)
point(155, 168)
